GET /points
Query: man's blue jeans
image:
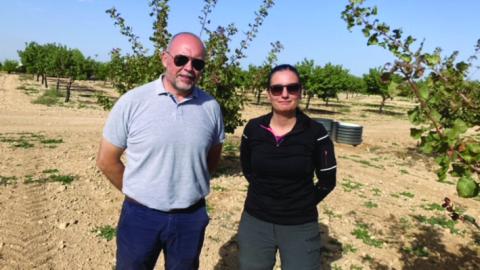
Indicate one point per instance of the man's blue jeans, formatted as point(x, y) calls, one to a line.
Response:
point(143, 232)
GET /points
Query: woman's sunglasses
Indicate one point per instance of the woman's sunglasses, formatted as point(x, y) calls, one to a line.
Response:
point(181, 60)
point(292, 89)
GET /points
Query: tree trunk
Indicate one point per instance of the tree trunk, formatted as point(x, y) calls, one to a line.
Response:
point(326, 102)
point(259, 95)
point(58, 84)
point(46, 82)
point(69, 85)
point(383, 104)
point(38, 77)
point(308, 101)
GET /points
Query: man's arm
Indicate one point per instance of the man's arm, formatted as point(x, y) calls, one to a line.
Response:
point(109, 162)
point(213, 157)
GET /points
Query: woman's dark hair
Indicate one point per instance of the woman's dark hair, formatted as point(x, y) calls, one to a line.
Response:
point(281, 68)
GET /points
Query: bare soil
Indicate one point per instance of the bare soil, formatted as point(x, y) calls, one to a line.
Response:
point(384, 213)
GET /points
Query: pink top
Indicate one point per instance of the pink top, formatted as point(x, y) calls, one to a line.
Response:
point(278, 139)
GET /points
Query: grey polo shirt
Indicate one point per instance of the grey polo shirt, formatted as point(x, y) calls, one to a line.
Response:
point(166, 144)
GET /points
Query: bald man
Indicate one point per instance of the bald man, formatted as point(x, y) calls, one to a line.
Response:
point(172, 134)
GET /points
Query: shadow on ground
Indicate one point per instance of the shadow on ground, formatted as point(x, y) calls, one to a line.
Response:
point(320, 111)
point(386, 112)
point(229, 166)
point(435, 255)
point(424, 249)
point(331, 251)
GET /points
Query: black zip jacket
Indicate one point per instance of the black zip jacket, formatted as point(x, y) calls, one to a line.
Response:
point(281, 188)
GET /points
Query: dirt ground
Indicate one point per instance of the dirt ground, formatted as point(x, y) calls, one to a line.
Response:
point(384, 213)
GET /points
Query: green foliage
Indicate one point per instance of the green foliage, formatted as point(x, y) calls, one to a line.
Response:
point(330, 213)
point(440, 221)
point(56, 60)
point(230, 148)
point(218, 188)
point(105, 102)
point(419, 251)
point(10, 66)
point(256, 78)
point(325, 82)
point(27, 140)
point(50, 175)
point(349, 185)
point(348, 248)
point(377, 84)
point(29, 90)
point(467, 187)
point(51, 141)
point(432, 206)
point(220, 77)
point(448, 102)
point(50, 171)
point(404, 223)
point(49, 98)
point(106, 232)
point(407, 194)
point(376, 191)
point(370, 204)
point(7, 180)
point(361, 232)
point(63, 179)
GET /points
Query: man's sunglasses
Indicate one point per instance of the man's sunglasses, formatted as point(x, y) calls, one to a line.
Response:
point(181, 60)
point(292, 89)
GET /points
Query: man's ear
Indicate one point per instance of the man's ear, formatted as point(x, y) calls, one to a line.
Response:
point(164, 59)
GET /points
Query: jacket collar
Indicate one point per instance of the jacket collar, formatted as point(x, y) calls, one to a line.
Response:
point(303, 121)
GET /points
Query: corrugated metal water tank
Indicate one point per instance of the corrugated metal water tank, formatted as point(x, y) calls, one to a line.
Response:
point(342, 132)
point(349, 133)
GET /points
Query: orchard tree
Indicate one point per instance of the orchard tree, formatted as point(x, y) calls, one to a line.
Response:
point(355, 85)
point(257, 76)
point(30, 58)
point(332, 80)
point(35, 59)
point(307, 70)
point(375, 85)
point(221, 69)
point(324, 82)
point(74, 70)
point(448, 112)
point(57, 62)
point(10, 66)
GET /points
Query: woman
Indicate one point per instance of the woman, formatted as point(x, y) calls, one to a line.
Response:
point(280, 152)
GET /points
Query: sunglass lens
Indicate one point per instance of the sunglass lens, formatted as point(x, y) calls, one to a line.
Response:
point(293, 88)
point(198, 64)
point(276, 89)
point(180, 60)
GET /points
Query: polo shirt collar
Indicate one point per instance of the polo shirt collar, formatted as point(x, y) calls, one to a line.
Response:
point(160, 89)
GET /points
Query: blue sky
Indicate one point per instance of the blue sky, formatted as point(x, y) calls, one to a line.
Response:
point(309, 29)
